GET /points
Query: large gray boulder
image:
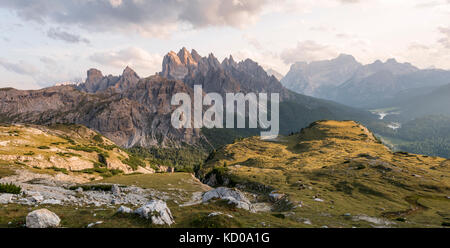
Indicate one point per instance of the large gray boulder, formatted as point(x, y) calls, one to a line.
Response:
point(157, 211)
point(42, 218)
point(233, 196)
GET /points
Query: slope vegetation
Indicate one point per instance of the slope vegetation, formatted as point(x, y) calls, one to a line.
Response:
point(337, 173)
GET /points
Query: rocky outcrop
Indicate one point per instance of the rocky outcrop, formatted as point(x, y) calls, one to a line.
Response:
point(42, 218)
point(157, 211)
point(233, 196)
point(96, 82)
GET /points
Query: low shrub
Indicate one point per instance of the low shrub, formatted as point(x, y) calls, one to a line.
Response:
point(10, 188)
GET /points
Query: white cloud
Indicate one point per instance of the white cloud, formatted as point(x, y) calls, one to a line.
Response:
point(21, 67)
point(307, 51)
point(153, 17)
point(445, 41)
point(58, 34)
point(143, 62)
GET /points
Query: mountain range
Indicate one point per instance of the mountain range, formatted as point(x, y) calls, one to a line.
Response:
point(376, 85)
point(134, 111)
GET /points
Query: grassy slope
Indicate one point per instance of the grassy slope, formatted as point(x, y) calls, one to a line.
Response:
point(343, 164)
point(65, 148)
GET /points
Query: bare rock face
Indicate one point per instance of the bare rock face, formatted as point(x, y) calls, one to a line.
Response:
point(42, 218)
point(140, 115)
point(157, 211)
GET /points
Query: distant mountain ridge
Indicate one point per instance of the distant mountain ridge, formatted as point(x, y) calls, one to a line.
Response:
point(347, 81)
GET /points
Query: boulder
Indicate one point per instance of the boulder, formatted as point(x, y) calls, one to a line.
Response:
point(42, 218)
point(5, 198)
point(274, 197)
point(157, 211)
point(233, 196)
point(125, 210)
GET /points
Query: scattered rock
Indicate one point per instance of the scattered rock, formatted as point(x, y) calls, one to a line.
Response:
point(115, 189)
point(42, 218)
point(233, 196)
point(373, 220)
point(51, 202)
point(307, 222)
point(93, 224)
point(157, 211)
point(318, 199)
point(125, 210)
point(5, 198)
point(34, 197)
point(274, 197)
point(219, 213)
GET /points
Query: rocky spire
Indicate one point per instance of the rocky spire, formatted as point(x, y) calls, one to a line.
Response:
point(129, 72)
point(186, 57)
point(229, 62)
point(93, 79)
point(173, 67)
point(195, 55)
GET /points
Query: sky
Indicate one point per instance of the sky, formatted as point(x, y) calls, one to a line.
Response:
point(43, 42)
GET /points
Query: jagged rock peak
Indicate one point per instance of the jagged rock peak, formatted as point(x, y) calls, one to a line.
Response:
point(129, 72)
point(229, 62)
point(186, 57)
point(197, 57)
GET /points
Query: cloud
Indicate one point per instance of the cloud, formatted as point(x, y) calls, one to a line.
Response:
point(134, 57)
point(148, 16)
point(58, 34)
point(307, 51)
point(349, 1)
point(21, 67)
point(432, 4)
point(445, 41)
point(418, 46)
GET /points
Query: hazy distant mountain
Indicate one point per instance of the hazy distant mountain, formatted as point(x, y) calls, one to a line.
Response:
point(368, 86)
point(315, 77)
point(272, 72)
